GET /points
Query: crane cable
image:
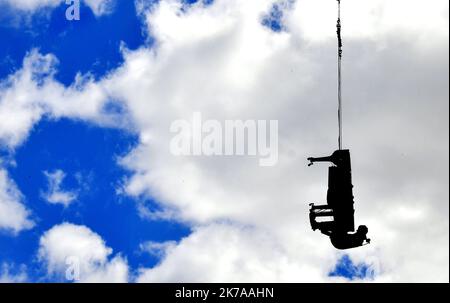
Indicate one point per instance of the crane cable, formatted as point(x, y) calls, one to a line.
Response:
point(338, 26)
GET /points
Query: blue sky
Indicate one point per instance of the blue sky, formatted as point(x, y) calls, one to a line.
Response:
point(108, 193)
point(52, 146)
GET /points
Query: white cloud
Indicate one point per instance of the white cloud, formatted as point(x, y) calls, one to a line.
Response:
point(31, 5)
point(32, 92)
point(14, 216)
point(374, 20)
point(220, 61)
point(67, 242)
point(229, 253)
point(54, 193)
point(158, 249)
point(98, 7)
point(10, 274)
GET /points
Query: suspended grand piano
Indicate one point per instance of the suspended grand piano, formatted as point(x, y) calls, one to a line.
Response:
point(337, 216)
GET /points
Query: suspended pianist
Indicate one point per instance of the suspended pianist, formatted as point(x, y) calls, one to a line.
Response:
point(339, 207)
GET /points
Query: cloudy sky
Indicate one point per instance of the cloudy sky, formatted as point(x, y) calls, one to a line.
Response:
point(86, 174)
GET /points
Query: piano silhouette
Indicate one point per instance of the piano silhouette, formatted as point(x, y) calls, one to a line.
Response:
point(340, 225)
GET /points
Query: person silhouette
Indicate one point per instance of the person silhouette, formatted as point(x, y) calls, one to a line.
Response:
point(347, 241)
